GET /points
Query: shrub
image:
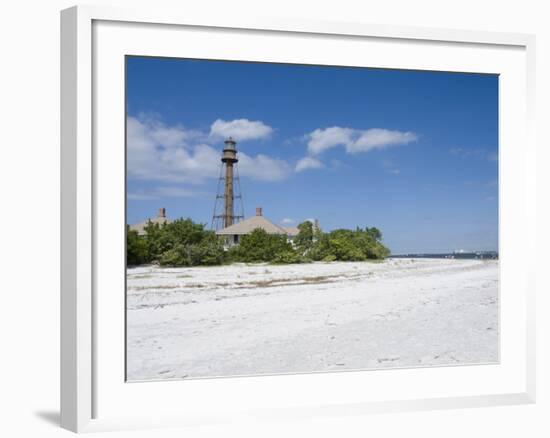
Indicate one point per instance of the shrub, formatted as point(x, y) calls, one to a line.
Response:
point(210, 252)
point(207, 252)
point(156, 240)
point(185, 243)
point(259, 246)
point(304, 239)
point(348, 245)
point(136, 248)
point(179, 243)
point(286, 257)
point(173, 257)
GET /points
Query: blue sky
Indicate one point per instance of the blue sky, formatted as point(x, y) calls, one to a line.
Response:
point(412, 153)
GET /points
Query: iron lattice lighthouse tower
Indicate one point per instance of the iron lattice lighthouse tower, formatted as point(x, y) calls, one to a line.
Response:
point(228, 208)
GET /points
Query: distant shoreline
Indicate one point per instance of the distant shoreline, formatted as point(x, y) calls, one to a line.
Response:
point(470, 255)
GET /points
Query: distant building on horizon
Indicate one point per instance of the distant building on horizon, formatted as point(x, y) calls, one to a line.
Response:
point(160, 219)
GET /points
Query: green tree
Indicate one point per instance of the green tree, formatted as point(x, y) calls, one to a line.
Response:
point(136, 248)
point(179, 243)
point(348, 245)
point(210, 250)
point(375, 233)
point(186, 232)
point(186, 243)
point(287, 257)
point(259, 246)
point(304, 239)
point(156, 240)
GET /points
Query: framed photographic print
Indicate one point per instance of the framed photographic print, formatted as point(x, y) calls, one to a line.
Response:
point(287, 218)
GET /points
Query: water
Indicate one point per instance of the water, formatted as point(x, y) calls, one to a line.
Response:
point(479, 255)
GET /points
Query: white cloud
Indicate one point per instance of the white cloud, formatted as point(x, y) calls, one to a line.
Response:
point(264, 168)
point(160, 153)
point(356, 140)
point(240, 129)
point(308, 163)
point(379, 139)
point(167, 136)
point(479, 153)
point(287, 221)
point(323, 139)
point(157, 152)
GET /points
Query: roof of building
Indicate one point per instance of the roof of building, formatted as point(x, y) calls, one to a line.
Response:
point(250, 224)
point(292, 231)
point(160, 219)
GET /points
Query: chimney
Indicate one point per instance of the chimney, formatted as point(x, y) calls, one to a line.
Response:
point(162, 212)
point(258, 211)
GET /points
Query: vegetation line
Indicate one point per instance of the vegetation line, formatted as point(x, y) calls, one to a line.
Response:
point(186, 243)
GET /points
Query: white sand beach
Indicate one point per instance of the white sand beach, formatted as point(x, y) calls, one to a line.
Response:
point(269, 319)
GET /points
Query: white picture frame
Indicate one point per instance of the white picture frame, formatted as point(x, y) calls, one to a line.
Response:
point(87, 371)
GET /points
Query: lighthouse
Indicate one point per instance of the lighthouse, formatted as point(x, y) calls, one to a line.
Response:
point(228, 207)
